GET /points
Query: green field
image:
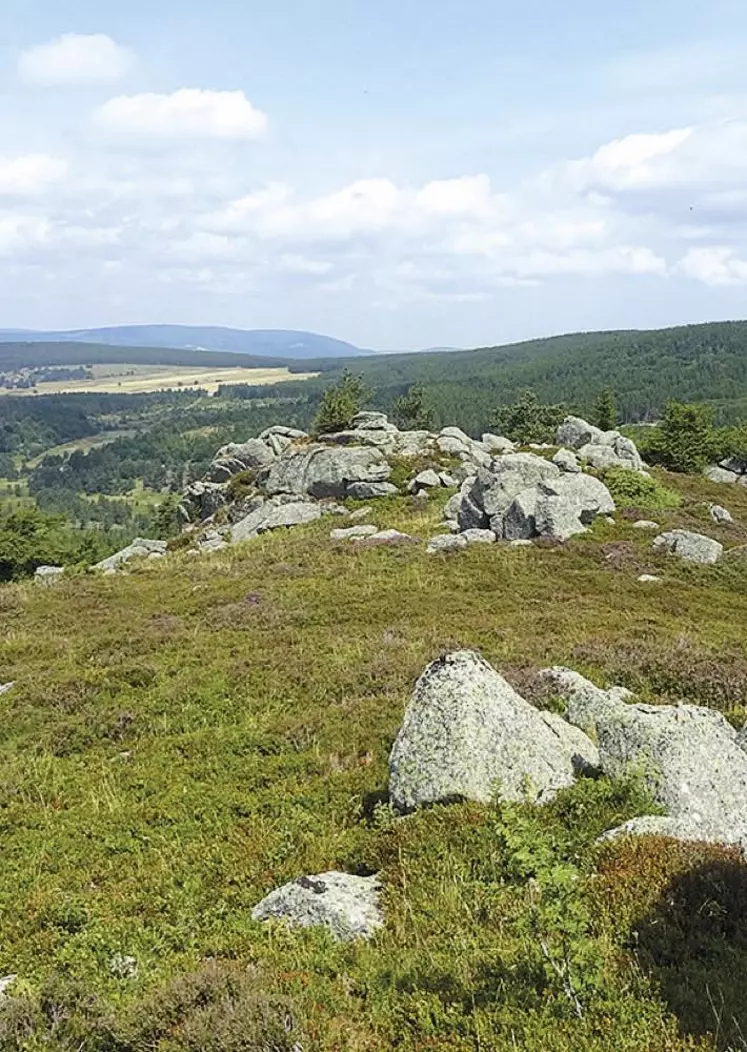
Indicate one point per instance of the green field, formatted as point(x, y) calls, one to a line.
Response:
point(184, 738)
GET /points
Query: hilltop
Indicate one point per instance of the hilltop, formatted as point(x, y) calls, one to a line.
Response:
point(192, 731)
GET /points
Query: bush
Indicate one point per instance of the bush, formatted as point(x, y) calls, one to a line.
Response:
point(240, 485)
point(631, 490)
point(340, 403)
point(528, 420)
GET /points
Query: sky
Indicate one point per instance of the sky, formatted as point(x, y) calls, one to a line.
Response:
point(397, 174)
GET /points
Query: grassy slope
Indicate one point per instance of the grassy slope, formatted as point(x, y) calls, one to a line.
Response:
point(185, 738)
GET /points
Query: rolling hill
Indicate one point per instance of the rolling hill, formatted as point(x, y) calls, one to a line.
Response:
point(267, 343)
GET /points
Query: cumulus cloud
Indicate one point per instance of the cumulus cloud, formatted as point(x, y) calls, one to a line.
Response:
point(189, 113)
point(75, 58)
point(714, 265)
point(30, 174)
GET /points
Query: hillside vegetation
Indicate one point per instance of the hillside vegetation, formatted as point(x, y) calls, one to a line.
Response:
point(184, 738)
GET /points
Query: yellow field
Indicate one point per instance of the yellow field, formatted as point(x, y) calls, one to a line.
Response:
point(145, 379)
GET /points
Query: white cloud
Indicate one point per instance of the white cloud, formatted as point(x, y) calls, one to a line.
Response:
point(469, 195)
point(189, 113)
point(30, 174)
point(714, 265)
point(75, 59)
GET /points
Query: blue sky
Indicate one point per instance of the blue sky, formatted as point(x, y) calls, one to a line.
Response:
point(396, 174)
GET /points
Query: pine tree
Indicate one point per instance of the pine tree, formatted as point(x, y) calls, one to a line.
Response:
point(605, 410)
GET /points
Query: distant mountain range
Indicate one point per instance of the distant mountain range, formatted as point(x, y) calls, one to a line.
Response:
point(267, 343)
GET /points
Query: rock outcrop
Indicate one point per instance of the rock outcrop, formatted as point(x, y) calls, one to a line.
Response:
point(141, 548)
point(467, 734)
point(600, 449)
point(732, 470)
point(347, 905)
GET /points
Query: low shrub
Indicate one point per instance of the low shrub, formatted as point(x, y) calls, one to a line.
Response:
point(629, 489)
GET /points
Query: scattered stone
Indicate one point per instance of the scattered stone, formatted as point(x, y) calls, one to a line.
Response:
point(211, 541)
point(345, 904)
point(645, 524)
point(720, 515)
point(5, 687)
point(520, 543)
point(360, 513)
point(479, 536)
point(649, 578)
point(122, 966)
point(446, 542)
point(427, 479)
point(391, 538)
point(497, 444)
point(5, 982)
point(719, 474)
point(566, 460)
point(468, 734)
point(694, 547)
point(371, 490)
point(140, 548)
point(48, 575)
point(352, 533)
point(275, 516)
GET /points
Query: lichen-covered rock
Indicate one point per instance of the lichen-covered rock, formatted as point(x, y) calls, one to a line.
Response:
point(487, 500)
point(585, 702)
point(201, 500)
point(720, 515)
point(497, 443)
point(271, 516)
point(468, 734)
point(48, 575)
point(371, 490)
point(566, 460)
point(575, 432)
point(567, 505)
point(428, 479)
point(5, 687)
point(446, 542)
point(718, 474)
point(140, 548)
point(372, 421)
point(581, 751)
point(694, 547)
point(236, 457)
point(353, 533)
point(345, 904)
point(479, 536)
point(645, 524)
point(326, 471)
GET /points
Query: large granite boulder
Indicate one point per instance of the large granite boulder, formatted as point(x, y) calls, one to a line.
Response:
point(486, 501)
point(274, 516)
point(718, 474)
point(141, 548)
point(347, 905)
point(690, 759)
point(468, 734)
point(693, 547)
point(567, 505)
point(236, 457)
point(599, 449)
point(326, 471)
point(575, 432)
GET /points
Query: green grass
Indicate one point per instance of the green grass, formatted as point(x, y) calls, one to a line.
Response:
point(186, 737)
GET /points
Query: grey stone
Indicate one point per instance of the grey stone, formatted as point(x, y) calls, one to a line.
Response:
point(370, 421)
point(326, 471)
point(275, 516)
point(567, 505)
point(123, 966)
point(353, 533)
point(446, 542)
point(586, 703)
point(448, 480)
point(520, 519)
point(427, 479)
point(718, 474)
point(360, 513)
point(479, 536)
point(720, 515)
point(5, 687)
point(140, 548)
point(386, 538)
point(582, 753)
point(645, 524)
point(649, 578)
point(488, 499)
point(566, 460)
point(468, 734)
point(521, 542)
point(201, 500)
point(5, 982)
point(575, 432)
point(48, 575)
point(235, 457)
point(601, 457)
point(737, 464)
point(345, 904)
point(497, 443)
point(285, 432)
point(211, 541)
point(694, 547)
point(371, 490)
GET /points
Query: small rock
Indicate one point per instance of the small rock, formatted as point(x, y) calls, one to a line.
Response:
point(371, 490)
point(497, 443)
point(345, 904)
point(720, 515)
point(649, 578)
point(566, 460)
point(5, 687)
point(48, 575)
point(446, 542)
point(5, 982)
point(427, 479)
point(645, 524)
point(694, 547)
point(360, 513)
point(385, 538)
point(122, 966)
point(448, 481)
point(520, 543)
point(352, 533)
point(478, 536)
point(609, 520)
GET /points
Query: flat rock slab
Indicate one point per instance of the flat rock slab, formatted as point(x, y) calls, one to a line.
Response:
point(347, 905)
point(479, 536)
point(140, 548)
point(386, 538)
point(353, 533)
point(446, 542)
